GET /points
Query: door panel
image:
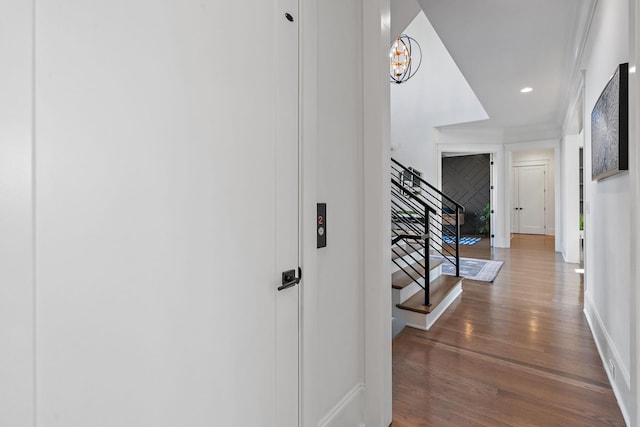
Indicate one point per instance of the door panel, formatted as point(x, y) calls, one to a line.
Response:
point(528, 196)
point(515, 202)
point(493, 200)
point(166, 209)
point(532, 200)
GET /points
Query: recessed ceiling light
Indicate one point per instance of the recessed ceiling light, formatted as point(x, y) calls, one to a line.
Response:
point(526, 89)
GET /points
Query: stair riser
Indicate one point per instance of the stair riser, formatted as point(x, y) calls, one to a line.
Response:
point(432, 274)
point(399, 296)
point(435, 272)
point(425, 321)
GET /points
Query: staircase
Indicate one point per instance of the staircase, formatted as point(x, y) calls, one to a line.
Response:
point(424, 223)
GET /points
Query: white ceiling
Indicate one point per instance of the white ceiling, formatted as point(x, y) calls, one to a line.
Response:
point(501, 46)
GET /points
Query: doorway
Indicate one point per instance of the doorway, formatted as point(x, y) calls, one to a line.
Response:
point(467, 179)
point(529, 187)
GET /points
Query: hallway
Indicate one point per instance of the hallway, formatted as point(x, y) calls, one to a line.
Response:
point(517, 352)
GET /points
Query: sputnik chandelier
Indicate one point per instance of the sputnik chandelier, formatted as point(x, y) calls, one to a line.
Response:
point(405, 52)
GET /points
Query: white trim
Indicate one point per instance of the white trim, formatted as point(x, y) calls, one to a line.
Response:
point(376, 244)
point(607, 350)
point(547, 144)
point(309, 412)
point(541, 162)
point(501, 173)
point(467, 148)
point(590, 311)
point(493, 198)
point(548, 231)
point(584, 22)
point(576, 98)
point(557, 201)
point(532, 145)
point(350, 404)
point(634, 163)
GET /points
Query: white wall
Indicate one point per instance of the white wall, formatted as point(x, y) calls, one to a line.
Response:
point(402, 14)
point(339, 283)
point(155, 274)
point(16, 219)
point(347, 322)
point(608, 282)
point(437, 95)
point(377, 217)
point(570, 199)
point(346, 369)
point(148, 312)
point(634, 164)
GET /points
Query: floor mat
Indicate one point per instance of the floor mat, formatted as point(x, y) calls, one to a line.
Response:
point(482, 270)
point(451, 240)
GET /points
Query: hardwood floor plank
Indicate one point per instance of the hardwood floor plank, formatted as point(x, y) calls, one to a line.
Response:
point(517, 352)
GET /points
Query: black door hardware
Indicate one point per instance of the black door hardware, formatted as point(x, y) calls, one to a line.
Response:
point(289, 279)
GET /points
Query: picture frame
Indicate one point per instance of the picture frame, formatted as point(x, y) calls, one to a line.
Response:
point(610, 127)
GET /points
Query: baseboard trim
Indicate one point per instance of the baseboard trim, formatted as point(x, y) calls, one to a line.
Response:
point(346, 410)
point(503, 242)
point(566, 259)
point(607, 350)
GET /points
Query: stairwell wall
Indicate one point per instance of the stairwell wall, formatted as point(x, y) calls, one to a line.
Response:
point(437, 95)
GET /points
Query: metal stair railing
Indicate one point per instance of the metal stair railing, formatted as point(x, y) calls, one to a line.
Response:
point(410, 226)
point(423, 220)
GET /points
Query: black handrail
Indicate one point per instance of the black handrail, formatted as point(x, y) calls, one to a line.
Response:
point(404, 168)
point(416, 204)
point(424, 215)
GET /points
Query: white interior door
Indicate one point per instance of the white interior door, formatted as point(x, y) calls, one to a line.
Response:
point(166, 175)
point(529, 191)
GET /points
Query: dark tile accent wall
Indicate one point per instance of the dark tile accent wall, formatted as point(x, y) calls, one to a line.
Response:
point(467, 180)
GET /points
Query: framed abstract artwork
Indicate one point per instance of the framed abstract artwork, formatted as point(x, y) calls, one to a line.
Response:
point(610, 127)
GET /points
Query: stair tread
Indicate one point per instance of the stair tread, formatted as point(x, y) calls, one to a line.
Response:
point(440, 288)
point(401, 279)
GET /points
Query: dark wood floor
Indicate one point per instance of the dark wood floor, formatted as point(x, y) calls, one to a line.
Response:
point(517, 352)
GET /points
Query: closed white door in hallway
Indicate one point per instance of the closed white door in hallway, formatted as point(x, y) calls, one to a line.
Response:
point(528, 199)
point(166, 193)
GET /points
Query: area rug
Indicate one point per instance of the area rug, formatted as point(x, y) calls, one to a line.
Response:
point(473, 269)
point(468, 241)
